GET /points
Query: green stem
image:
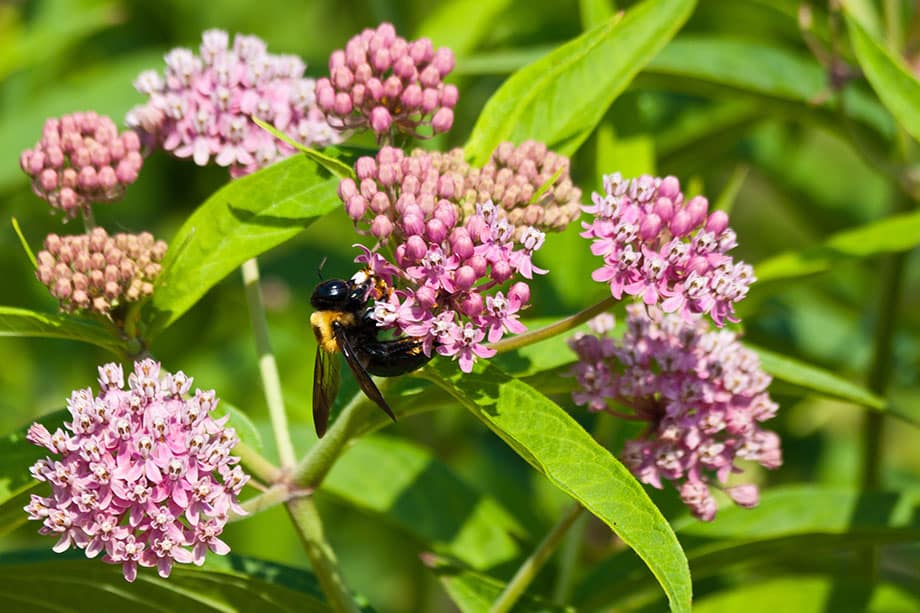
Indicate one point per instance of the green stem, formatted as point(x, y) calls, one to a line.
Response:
point(892, 284)
point(532, 565)
point(322, 559)
point(351, 422)
point(271, 382)
point(894, 30)
point(554, 329)
point(568, 559)
point(271, 497)
point(257, 465)
point(89, 221)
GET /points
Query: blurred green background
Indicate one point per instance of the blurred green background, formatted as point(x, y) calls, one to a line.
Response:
point(800, 181)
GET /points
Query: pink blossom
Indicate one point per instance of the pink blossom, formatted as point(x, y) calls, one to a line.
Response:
point(702, 393)
point(145, 473)
point(664, 249)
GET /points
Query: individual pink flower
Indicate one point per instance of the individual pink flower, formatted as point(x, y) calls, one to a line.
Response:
point(702, 393)
point(665, 249)
point(142, 475)
point(385, 83)
point(203, 105)
point(97, 272)
point(81, 159)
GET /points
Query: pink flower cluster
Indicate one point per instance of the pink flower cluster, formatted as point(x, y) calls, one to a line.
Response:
point(203, 105)
point(145, 474)
point(382, 81)
point(512, 178)
point(82, 159)
point(702, 393)
point(99, 272)
point(453, 274)
point(668, 250)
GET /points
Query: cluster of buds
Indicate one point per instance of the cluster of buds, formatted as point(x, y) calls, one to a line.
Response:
point(382, 82)
point(530, 182)
point(202, 106)
point(702, 393)
point(453, 274)
point(99, 272)
point(81, 159)
point(143, 475)
point(668, 250)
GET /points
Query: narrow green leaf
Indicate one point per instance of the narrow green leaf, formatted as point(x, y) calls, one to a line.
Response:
point(595, 12)
point(816, 379)
point(241, 220)
point(892, 234)
point(477, 16)
point(245, 429)
point(60, 585)
point(24, 242)
point(474, 592)
point(405, 485)
point(727, 67)
point(552, 442)
point(897, 88)
point(726, 200)
point(788, 520)
point(333, 165)
point(23, 322)
point(538, 102)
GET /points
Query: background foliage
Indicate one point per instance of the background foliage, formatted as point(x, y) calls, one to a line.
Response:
point(736, 104)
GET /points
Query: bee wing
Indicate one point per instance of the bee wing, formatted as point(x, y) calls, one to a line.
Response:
point(325, 387)
point(365, 382)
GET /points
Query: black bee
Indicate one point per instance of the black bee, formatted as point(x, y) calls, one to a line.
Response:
point(343, 322)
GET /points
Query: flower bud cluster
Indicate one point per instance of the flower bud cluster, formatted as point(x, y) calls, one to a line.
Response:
point(99, 272)
point(664, 248)
point(702, 393)
point(81, 159)
point(454, 275)
point(142, 475)
point(383, 82)
point(203, 105)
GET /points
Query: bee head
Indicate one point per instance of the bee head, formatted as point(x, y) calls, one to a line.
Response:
point(338, 295)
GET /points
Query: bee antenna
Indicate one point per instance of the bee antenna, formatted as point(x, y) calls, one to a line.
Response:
point(319, 270)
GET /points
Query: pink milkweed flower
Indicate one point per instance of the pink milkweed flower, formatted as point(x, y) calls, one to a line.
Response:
point(145, 473)
point(203, 106)
point(81, 159)
point(383, 82)
point(702, 393)
point(666, 250)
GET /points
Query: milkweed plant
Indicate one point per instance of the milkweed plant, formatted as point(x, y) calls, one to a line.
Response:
point(535, 223)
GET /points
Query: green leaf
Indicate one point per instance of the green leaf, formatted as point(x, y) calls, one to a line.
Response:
point(93, 585)
point(330, 163)
point(477, 16)
point(892, 234)
point(245, 429)
point(538, 101)
point(726, 67)
point(787, 521)
point(23, 242)
point(898, 89)
point(816, 379)
point(244, 218)
point(502, 61)
point(552, 442)
point(808, 595)
point(405, 485)
point(473, 592)
point(595, 12)
point(23, 322)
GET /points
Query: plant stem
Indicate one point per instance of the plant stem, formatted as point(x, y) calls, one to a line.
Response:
point(568, 558)
point(353, 419)
point(554, 329)
point(894, 31)
point(258, 465)
point(322, 559)
point(271, 497)
point(89, 222)
point(271, 382)
point(532, 565)
point(880, 372)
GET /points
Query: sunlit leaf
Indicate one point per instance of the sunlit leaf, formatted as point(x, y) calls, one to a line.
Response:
point(246, 217)
point(892, 234)
point(898, 89)
point(477, 16)
point(404, 485)
point(23, 322)
point(552, 442)
point(538, 102)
